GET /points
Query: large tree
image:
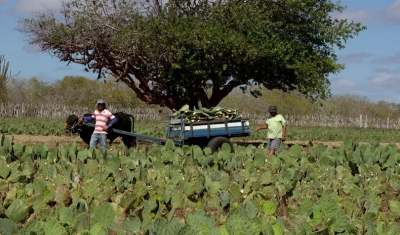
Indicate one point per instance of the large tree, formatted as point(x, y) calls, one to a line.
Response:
point(188, 51)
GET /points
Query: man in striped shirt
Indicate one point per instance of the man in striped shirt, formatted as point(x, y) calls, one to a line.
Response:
point(100, 131)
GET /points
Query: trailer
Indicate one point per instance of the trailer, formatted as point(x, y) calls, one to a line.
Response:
point(213, 133)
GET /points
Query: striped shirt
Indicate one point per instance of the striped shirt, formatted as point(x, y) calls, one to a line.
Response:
point(101, 120)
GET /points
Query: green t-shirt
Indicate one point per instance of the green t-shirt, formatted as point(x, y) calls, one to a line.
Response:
point(275, 125)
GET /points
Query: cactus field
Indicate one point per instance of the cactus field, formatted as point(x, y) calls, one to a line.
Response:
point(323, 181)
point(67, 189)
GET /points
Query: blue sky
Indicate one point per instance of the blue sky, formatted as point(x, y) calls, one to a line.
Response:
point(372, 58)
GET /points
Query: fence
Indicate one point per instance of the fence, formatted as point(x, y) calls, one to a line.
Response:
point(362, 121)
point(62, 111)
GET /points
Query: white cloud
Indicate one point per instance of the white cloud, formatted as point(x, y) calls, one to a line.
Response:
point(395, 59)
point(384, 84)
point(30, 6)
point(345, 83)
point(356, 58)
point(357, 15)
point(386, 78)
point(392, 12)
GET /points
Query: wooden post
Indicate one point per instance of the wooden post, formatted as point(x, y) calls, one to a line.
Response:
point(361, 125)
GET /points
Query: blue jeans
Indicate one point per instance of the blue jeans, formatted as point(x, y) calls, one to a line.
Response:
point(99, 138)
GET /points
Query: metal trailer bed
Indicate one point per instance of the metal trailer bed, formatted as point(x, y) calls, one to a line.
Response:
point(211, 134)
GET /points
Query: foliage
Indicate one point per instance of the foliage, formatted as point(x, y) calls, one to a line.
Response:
point(293, 103)
point(172, 54)
point(204, 114)
point(72, 91)
point(66, 92)
point(39, 126)
point(32, 126)
point(336, 134)
point(157, 129)
point(168, 190)
point(4, 77)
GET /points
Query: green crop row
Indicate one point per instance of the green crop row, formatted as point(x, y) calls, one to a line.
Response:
point(33, 126)
point(157, 129)
point(39, 126)
point(353, 189)
point(337, 134)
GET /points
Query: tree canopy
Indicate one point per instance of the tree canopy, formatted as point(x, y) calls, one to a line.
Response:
point(189, 51)
point(72, 91)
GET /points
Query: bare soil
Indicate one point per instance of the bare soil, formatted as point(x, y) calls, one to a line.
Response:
point(50, 141)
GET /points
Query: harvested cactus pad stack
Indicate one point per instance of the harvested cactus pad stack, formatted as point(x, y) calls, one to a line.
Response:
point(204, 114)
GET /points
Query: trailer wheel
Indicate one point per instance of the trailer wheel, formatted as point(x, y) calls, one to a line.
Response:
point(216, 143)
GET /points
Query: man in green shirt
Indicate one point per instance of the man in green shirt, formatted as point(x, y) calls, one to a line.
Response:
point(276, 125)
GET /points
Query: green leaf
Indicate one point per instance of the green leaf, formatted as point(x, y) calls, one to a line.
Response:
point(169, 144)
point(4, 169)
point(82, 155)
point(200, 218)
point(251, 209)
point(306, 207)
point(259, 159)
point(316, 218)
point(54, 227)
point(339, 222)
point(132, 225)
point(161, 226)
point(278, 229)
point(189, 188)
point(199, 184)
point(65, 215)
point(104, 214)
point(326, 161)
point(167, 156)
point(113, 164)
point(295, 150)
point(393, 229)
point(394, 207)
point(91, 188)
point(33, 227)
point(177, 200)
point(7, 227)
point(237, 223)
point(225, 199)
point(7, 142)
point(140, 189)
point(268, 207)
point(234, 189)
point(17, 211)
point(224, 181)
point(98, 229)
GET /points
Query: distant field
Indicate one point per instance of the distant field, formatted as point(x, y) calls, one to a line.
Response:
point(46, 127)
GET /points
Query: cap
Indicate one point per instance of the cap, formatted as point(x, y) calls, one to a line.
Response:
point(272, 109)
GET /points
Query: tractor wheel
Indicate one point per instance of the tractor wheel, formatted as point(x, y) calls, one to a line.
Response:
point(216, 143)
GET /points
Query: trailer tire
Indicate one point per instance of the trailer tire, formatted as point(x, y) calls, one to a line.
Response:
point(216, 143)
